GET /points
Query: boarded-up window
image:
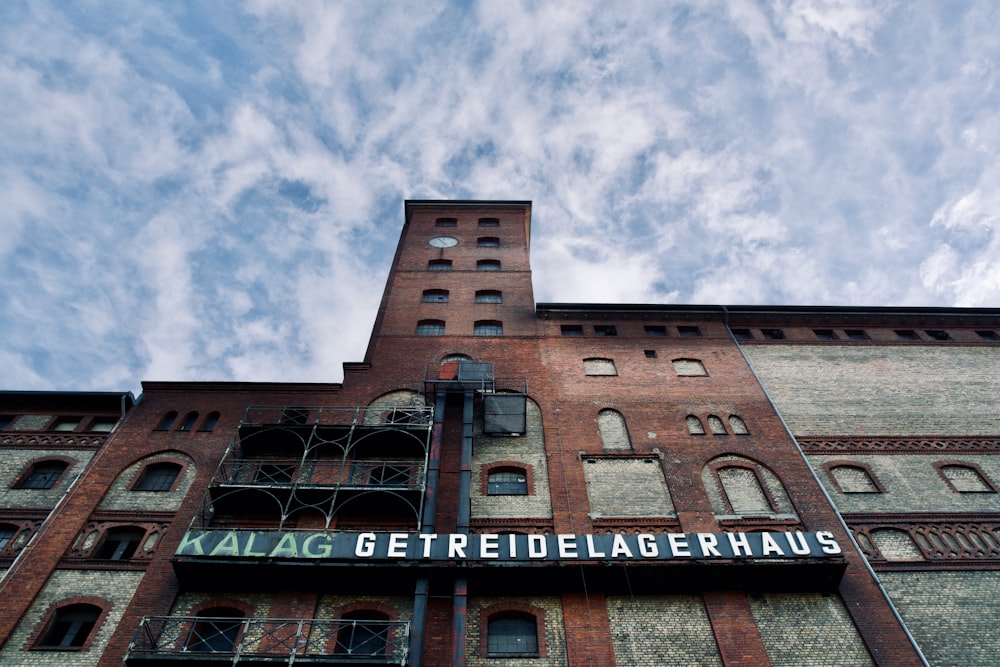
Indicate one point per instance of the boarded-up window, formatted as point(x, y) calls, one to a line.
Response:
point(851, 479)
point(895, 544)
point(965, 479)
point(744, 492)
point(694, 425)
point(689, 367)
point(599, 367)
point(614, 434)
point(716, 426)
point(739, 428)
point(627, 488)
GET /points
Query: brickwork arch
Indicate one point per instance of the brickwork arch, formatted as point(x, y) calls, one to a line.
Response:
point(741, 486)
point(102, 606)
point(123, 493)
point(507, 609)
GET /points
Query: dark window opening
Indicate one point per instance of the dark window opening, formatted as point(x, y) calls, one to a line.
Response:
point(512, 634)
point(605, 330)
point(907, 334)
point(167, 421)
point(742, 334)
point(435, 296)
point(158, 477)
point(66, 424)
point(689, 331)
point(5, 420)
point(70, 626)
point(217, 631)
point(656, 330)
point(362, 634)
point(43, 475)
point(650, 354)
point(7, 533)
point(120, 543)
point(773, 334)
point(210, 422)
point(937, 334)
point(489, 222)
point(488, 242)
point(439, 265)
point(430, 328)
point(507, 483)
point(825, 334)
point(489, 296)
point(446, 222)
point(487, 265)
point(188, 423)
point(571, 330)
point(487, 328)
point(987, 334)
point(856, 334)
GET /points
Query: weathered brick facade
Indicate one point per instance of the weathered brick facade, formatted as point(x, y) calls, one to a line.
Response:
point(209, 524)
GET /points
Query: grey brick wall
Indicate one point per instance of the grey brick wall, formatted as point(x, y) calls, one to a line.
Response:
point(626, 487)
point(528, 449)
point(882, 390)
point(651, 631)
point(808, 630)
point(116, 587)
point(911, 483)
point(555, 634)
point(119, 497)
point(953, 614)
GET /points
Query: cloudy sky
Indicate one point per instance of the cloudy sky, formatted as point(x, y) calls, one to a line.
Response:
point(213, 191)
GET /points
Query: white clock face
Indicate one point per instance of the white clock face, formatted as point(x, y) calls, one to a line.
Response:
point(443, 242)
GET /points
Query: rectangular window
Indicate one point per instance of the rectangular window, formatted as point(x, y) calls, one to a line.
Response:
point(773, 334)
point(907, 334)
point(571, 330)
point(439, 265)
point(430, 328)
point(656, 330)
point(937, 334)
point(489, 222)
point(446, 222)
point(488, 242)
point(742, 334)
point(487, 329)
point(825, 334)
point(489, 296)
point(856, 334)
point(605, 330)
point(985, 334)
point(689, 331)
point(66, 424)
point(103, 425)
point(650, 354)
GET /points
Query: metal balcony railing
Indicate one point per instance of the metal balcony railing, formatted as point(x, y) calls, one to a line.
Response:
point(367, 474)
point(410, 416)
point(291, 641)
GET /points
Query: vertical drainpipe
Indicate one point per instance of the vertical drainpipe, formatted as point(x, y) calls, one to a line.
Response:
point(460, 606)
point(427, 527)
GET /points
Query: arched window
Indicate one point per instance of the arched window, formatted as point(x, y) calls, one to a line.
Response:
point(188, 423)
point(488, 265)
point(853, 479)
point(716, 426)
point(43, 474)
point(363, 632)
point(694, 425)
point(439, 265)
point(435, 296)
point(430, 328)
point(487, 328)
point(737, 425)
point(488, 242)
point(965, 479)
point(507, 482)
point(120, 543)
point(167, 421)
point(510, 634)
point(70, 627)
point(744, 491)
point(216, 631)
point(489, 296)
point(689, 367)
point(158, 477)
point(595, 366)
point(210, 421)
point(614, 432)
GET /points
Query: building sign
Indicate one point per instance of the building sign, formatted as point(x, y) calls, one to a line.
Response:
point(383, 547)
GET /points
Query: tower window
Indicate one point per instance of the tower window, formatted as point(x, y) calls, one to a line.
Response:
point(189, 421)
point(487, 265)
point(489, 222)
point(166, 421)
point(446, 222)
point(435, 296)
point(489, 296)
point(210, 421)
point(488, 328)
point(430, 328)
point(987, 334)
point(856, 334)
point(742, 334)
point(571, 330)
point(439, 265)
point(656, 330)
point(825, 334)
point(773, 334)
point(938, 334)
point(650, 354)
point(605, 330)
point(689, 331)
point(488, 242)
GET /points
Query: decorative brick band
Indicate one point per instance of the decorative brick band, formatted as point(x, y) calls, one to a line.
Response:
point(52, 440)
point(923, 542)
point(890, 444)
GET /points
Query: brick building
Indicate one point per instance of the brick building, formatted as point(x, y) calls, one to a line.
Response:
point(502, 482)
